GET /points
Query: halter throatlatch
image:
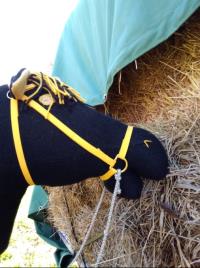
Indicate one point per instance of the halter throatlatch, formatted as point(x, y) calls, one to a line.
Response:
point(25, 89)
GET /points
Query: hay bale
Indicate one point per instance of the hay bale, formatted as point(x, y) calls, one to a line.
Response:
point(163, 227)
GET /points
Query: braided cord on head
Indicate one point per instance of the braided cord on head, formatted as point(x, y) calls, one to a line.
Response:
point(58, 90)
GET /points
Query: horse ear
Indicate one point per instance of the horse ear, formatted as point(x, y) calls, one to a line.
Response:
point(19, 82)
point(9, 203)
point(131, 185)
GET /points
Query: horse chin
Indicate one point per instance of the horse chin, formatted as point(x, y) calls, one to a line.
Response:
point(131, 185)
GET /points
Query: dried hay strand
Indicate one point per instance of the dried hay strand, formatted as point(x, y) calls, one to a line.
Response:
point(162, 228)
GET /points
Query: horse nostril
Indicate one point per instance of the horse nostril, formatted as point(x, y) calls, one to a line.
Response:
point(147, 143)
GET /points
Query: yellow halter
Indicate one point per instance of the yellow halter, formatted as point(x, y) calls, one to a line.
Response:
point(66, 130)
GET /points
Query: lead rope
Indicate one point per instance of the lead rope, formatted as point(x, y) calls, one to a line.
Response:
point(90, 227)
point(117, 191)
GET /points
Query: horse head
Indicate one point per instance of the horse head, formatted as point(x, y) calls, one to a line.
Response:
point(50, 136)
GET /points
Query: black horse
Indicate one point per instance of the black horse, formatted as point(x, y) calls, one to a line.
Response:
point(54, 159)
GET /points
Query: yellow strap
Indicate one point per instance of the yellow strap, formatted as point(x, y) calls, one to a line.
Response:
point(83, 143)
point(70, 133)
point(125, 143)
point(121, 155)
point(108, 174)
point(17, 141)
